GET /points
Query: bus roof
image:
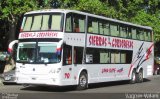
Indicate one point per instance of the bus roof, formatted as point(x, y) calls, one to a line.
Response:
point(88, 14)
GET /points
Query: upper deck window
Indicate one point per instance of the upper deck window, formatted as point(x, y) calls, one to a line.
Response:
point(75, 23)
point(93, 25)
point(45, 22)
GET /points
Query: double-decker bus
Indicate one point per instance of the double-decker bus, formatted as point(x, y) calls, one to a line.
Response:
point(66, 47)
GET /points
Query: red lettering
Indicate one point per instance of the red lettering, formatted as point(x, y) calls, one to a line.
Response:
point(119, 43)
point(127, 44)
point(132, 44)
point(46, 34)
point(116, 43)
point(94, 40)
point(108, 70)
point(100, 41)
point(90, 40)
point(38, 35)
point(123, 44)
point(67, 75)
point(105, 41)
point(27, 35)
point(97, 41)
point(113, 43)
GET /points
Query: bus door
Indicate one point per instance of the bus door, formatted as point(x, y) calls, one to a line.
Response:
point(67, 63)
point(77, 62)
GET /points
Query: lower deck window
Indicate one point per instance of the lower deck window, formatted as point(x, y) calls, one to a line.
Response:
point(108, 56)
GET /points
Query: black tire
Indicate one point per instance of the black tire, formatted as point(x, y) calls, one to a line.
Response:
point(140, 76)
point(133, 77)
point(83, 81)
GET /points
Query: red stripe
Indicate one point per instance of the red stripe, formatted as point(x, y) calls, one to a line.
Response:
point(147, 57)
point(130, 70)
point(149, 52)
point(9, 50)
point(58, 49)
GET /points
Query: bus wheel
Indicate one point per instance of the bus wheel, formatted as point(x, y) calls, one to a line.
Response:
point(140, 76)
point(133, 77)
point(83, 81)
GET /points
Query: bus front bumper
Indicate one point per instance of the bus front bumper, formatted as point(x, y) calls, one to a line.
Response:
point(32, 80)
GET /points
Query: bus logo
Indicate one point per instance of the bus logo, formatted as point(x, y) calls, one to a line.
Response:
point(120, 70)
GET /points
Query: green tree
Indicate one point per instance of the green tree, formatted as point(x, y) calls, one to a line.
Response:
point(143, 12)
point(12, 10)
point(148, 20)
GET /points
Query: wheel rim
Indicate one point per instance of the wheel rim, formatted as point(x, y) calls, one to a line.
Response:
point(140, 76)
point(83, 81)
point(133, 77)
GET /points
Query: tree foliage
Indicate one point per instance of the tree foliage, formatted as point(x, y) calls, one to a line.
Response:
point(11, 11)
point(142, 12)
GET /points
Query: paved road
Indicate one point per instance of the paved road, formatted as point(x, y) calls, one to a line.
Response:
point(120, 89)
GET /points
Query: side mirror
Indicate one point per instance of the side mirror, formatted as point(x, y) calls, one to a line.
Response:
point(11, 45)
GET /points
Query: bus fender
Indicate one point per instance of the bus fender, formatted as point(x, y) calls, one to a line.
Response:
point(138, 69)
point(81, 70)
point(134, 69)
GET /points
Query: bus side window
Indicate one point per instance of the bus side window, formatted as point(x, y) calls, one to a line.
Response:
point(134, 34)
point(129, 35)
point(78, 55)
point(114, 29)
point(90, 28)
point(123, 31)
point(93, 25)
point(67, 55)
point(78, 23)
point(68, 23)
point(138, 34)
point(148, 36)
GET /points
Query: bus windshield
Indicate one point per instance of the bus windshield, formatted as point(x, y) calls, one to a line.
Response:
point(38, 53)
point(42, 22)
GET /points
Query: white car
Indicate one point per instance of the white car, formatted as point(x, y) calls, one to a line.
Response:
point(9, 77)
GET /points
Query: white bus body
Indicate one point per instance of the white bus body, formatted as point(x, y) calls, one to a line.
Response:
point(93, 57)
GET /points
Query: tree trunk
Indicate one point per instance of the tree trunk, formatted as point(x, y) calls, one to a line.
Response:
point(12, 32)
